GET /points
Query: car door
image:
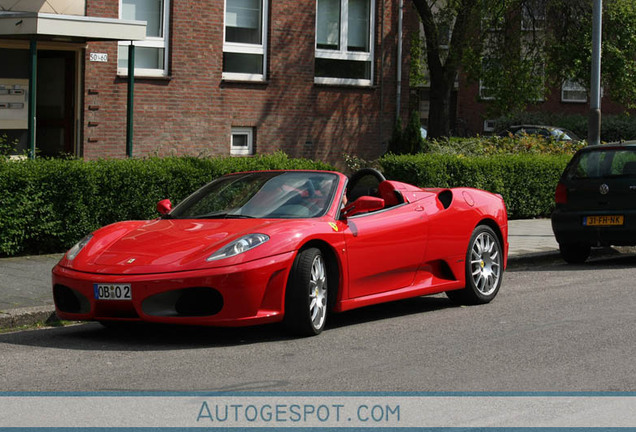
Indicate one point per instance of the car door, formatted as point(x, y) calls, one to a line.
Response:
point(385, 249)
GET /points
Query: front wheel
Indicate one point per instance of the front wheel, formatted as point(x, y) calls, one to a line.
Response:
point(306, 296)
point(484, 268)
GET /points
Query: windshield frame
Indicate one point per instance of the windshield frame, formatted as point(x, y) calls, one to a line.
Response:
point(291, 194)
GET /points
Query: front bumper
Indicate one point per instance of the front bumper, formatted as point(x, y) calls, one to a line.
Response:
point(250, 293)
point(568, 228)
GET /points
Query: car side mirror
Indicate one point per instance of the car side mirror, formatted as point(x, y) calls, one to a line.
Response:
point(363, 204)
point(164, 206)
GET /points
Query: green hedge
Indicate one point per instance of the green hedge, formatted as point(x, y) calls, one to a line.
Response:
point(46, 205)
point(613, 127)
point(496, 145)
point(526, 182)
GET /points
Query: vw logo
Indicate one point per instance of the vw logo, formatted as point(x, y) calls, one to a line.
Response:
point(604, 189)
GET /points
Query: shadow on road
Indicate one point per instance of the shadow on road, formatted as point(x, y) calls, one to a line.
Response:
point(137, 337)
point(605, 258)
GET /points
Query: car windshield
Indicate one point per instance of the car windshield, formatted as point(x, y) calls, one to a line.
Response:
point(261, 195)
point(604, 163)
point(563, 134)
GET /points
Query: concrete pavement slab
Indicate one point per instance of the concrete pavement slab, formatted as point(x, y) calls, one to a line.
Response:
point(531, 237)
point(26, 281)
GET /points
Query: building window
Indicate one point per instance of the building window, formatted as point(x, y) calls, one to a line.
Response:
point(533, 15)
point(344, 42)
point(485, 92)
point(245, 40)
point(572, 91)
point(151, 55)
point(242, 143)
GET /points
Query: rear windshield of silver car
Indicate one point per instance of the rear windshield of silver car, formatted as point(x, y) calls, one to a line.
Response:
point(603, 163)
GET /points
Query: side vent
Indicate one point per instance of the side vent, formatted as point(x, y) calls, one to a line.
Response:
point(445, 197)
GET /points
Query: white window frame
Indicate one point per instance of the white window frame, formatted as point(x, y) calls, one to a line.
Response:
point(242, 151)
point(483, 92)
point(572, 86)
point(342, 53)
point(245, 48)
point(150, 42)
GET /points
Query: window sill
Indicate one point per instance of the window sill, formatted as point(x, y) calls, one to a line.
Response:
point(231, 81)
point(122, 77)
point(345, 85)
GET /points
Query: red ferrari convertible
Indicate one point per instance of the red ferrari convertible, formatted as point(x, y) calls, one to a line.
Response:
point(292, 246)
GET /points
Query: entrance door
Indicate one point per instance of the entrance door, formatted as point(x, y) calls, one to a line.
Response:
point(55, 103)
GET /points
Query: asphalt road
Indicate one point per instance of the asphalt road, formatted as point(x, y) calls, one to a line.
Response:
point(553, 327)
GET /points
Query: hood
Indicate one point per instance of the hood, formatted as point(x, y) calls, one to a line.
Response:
point(166, 245)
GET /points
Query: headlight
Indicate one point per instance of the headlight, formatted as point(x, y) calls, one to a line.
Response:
point(72, 252)
point(239, 246)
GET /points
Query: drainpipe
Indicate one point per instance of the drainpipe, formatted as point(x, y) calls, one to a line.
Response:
point(398, 96)
point(131, 98)
point(381, 74)
point(33, 64)
point(594, 122)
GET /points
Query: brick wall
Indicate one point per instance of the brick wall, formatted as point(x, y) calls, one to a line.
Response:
point(471, 111)
point(193, 110)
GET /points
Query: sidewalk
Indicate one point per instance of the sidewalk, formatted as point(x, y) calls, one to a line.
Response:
point(25, 282)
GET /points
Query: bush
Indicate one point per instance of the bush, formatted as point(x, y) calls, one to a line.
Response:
point(46, 205)
point(495, 145)
point(407, 140)
point(525, 181)
point(613, 127)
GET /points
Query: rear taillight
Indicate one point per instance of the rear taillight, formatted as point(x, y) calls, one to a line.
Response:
point(561, 194)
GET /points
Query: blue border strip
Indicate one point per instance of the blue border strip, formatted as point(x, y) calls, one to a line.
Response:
point(312, 394)
point(316, 429)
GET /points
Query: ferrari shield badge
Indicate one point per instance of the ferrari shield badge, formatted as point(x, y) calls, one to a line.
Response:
point(333, 226)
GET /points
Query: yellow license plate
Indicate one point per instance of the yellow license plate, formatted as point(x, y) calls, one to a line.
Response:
point(603, 220)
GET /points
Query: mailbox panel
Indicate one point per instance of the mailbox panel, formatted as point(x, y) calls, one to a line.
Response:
point(14, 103)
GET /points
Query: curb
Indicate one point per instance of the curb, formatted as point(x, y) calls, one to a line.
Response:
point(533, 258)
point(13, 318)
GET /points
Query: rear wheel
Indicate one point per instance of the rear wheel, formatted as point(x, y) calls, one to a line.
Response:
point(306, 296)
point(575, 253)
point(484, 268)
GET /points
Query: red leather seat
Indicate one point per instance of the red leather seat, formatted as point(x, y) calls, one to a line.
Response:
point(389, 194)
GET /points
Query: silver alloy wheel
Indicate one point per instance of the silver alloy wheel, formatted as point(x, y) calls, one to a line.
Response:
point(485, 263)
point(318, 292)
